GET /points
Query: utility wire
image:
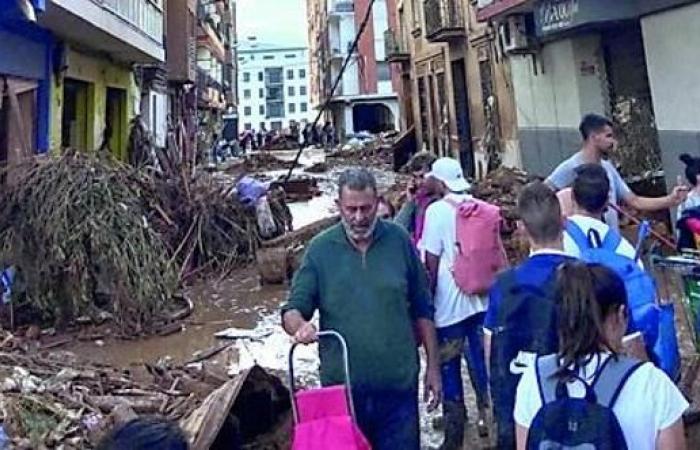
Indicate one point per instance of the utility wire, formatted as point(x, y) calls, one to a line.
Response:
point(326, 104)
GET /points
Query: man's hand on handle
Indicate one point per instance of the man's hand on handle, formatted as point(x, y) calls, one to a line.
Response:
point(306, 334)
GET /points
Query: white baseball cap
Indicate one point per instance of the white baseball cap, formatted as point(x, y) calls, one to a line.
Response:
point(449, 171)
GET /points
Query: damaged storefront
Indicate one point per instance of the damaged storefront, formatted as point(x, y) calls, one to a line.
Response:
point(25, 72)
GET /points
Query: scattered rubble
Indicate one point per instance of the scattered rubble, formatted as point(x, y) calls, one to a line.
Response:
point(264, 161)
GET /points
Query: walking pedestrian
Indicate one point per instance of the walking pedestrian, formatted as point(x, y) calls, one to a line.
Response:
point(590, 199)
point(460, 310)
point(520, 322)
point(634, 406)
point(598, 144)
point(306, 135)
point(420, 193)
point(688, 215)
point(367, 282)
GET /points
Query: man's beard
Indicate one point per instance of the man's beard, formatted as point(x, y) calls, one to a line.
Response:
point(357, 236)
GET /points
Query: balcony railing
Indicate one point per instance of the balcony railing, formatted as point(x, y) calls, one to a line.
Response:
point(395, 49)
point(444, 20)
point(143, 14)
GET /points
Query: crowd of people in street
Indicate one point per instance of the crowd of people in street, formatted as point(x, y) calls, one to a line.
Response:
point(556, 346)
point(324, 136)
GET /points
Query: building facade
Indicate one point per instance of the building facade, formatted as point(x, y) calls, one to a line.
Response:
point(365, 98)
point(454, 84)
point(69, 64)
point(636, 62)
point(273, 86)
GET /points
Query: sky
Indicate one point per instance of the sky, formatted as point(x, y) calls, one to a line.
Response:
point(273, 21)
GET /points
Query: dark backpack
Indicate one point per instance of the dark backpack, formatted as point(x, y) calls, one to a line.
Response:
point(587, 423)
point(527, 327)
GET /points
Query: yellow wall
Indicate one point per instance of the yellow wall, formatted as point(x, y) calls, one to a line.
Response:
point(101, 74)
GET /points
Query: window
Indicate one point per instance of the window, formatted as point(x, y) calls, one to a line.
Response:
point(248, 126)
point(246, 93)
point(290, 74)
point(302, 73)
point(246, 77)
point(292, 108)
point(268, 57)
point(262, 125)
point(262, 110)
point(241, 58)
point(247, 111)
point(275, 94)
point(277, 126)
point(290, 56)
point(302, 90)
point(303, 107)
point(261, 76)
point(290, 91)
point(383, 71)
point(275, 110)
point(261, 93)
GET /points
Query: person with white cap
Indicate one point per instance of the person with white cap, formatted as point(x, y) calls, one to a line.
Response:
point(459, 307)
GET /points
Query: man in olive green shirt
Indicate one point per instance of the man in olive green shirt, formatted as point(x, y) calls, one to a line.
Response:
point(365, 279)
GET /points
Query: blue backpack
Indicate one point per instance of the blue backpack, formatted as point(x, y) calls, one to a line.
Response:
point(587, 423)
point(640, 286)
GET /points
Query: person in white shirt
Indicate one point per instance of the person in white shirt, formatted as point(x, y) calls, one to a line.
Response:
point(458, 316)
point(590, 199)
point(593, 318)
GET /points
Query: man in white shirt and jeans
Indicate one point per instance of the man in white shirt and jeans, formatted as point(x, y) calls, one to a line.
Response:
point(458, 316)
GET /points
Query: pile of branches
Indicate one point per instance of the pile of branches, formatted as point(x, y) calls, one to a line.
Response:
point(76, 230)
point(203, 224)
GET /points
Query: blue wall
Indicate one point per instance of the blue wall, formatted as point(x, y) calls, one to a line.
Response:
point(26, 51)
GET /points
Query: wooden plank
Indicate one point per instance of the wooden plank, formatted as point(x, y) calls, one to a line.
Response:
point(16, 113)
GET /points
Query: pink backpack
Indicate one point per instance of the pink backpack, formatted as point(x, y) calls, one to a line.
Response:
point(480, 255)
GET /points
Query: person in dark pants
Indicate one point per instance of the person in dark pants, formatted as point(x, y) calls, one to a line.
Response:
point(364, 277)
point(145, 434)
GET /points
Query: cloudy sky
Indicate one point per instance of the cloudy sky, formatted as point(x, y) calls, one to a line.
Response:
point(273, 21)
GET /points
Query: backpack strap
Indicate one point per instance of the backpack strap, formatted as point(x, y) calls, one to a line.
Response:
point(611, 378)
point(577, 235)
point(545, 369)
point(612, 240)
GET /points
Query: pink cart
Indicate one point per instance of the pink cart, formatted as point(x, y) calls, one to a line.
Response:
point(324, 418)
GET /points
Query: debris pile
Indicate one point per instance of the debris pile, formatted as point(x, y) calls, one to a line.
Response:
point(76, 230)
point(263, 161)
point(54, 401)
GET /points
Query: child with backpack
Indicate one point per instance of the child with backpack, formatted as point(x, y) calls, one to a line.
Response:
point(587, 395)
point(520, 322)
point(463, 254)
point(590, 200)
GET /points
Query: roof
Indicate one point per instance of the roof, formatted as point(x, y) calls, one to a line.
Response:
point(255, 46)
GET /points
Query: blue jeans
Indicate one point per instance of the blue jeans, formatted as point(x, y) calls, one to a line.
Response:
point(470, 332)
point(389, 420)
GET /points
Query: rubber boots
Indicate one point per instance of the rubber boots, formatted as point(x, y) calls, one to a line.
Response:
point(455, 415)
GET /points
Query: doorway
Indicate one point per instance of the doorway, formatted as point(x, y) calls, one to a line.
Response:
point(466, 151)
point(74, 121)
point(115, 122)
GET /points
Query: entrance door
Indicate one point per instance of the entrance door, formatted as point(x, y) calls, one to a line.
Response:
point(115, 126)
point(75, 111)
point(466, 152)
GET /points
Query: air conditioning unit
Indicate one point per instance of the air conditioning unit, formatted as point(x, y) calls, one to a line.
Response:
point(516, 33)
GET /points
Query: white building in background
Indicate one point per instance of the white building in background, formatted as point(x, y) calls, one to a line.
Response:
point(273, 85)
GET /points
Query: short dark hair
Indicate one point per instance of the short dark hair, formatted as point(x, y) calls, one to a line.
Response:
point(692, 168)
point(540, 212)
point(356, 179)
point(421, 161)
point(592, 123)
point(148, 433)
point(591, 188)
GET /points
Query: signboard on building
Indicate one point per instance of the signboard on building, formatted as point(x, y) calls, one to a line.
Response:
point(553, 16)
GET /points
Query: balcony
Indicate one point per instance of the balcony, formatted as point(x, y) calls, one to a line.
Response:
point(444, 20)
point(395, 49)
point(127, 30)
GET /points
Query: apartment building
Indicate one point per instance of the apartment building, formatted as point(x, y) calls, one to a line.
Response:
point(636, 62)
point(273, 85)
point(454, 84)
point(366, 98)
point(69, 64)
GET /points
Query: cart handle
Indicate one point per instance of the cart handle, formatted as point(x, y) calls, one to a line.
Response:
point(346, 368)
